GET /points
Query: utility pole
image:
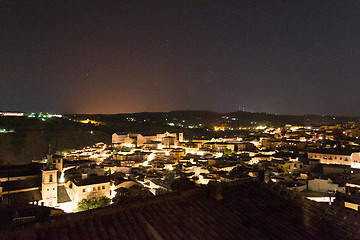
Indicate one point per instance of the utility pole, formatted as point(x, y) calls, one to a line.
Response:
point(8, 183)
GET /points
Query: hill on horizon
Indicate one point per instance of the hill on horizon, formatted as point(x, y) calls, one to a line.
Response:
point(31, 137)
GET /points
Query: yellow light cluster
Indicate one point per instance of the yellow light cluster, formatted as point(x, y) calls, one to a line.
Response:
point(219, 128)
point(89, 121)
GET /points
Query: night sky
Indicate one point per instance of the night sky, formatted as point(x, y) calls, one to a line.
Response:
point(285, 57)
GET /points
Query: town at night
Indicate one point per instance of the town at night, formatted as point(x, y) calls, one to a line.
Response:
point(179, 119)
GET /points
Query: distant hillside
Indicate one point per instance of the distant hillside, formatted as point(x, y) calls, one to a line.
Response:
point(208, 119)
point(32, 136)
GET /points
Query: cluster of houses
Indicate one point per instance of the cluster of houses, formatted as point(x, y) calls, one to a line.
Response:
point(317, 162)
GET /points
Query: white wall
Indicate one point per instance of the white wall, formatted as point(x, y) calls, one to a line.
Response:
point(322, 185)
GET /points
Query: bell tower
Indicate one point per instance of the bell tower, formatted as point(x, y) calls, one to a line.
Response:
point(58, 163)
point(181, 137)
point(49, 183)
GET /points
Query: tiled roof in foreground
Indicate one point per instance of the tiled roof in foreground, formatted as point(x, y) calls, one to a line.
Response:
point(247, 210)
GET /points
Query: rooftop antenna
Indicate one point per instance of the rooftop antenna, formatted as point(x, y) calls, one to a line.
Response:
point(242, 108)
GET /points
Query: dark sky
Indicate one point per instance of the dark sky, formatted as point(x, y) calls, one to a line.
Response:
point(285, 57)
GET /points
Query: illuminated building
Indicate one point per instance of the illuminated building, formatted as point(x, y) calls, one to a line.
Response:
point(338, 157)
point(49, 184)
point(12, 114)
point(88, 187)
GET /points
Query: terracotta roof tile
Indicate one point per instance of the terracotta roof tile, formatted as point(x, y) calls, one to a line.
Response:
point(77, 231)
point(118, 227)
point(246, 211)
point(108, 225)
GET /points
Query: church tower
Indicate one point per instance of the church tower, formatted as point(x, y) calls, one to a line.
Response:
point(58, 162)
point(181, 137)
point(49, 183)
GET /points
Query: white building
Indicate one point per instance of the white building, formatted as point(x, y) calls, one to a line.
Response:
point(334, 157)
point(324, 186)
point(82, 188)
point(133, 139)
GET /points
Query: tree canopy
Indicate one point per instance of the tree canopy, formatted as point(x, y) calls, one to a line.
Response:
point(91, 203)
point(227, 152)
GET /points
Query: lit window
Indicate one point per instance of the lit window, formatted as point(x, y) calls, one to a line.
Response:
point(94, 189)
point(98, 188)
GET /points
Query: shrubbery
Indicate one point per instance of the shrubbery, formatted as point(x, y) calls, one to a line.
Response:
point(91, 203)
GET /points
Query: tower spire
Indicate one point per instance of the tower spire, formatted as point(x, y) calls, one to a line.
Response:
point(49, 159)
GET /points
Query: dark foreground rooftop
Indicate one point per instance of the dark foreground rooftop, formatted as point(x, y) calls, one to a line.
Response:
point(247, 210)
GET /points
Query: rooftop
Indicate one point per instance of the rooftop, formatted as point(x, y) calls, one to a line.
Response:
point(246, 210)
point(20, 170)
point(62, 195)
point(346, 152)
point(91, 180)
point(32, 182)
point(22, 198)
